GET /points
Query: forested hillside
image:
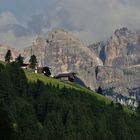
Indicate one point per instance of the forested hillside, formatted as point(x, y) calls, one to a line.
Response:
point(46, 109)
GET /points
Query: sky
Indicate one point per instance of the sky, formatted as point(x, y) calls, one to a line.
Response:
point(90, 20)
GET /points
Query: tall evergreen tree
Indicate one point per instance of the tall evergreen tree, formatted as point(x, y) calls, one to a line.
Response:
point(99, 90)
point(33, 61)
point(19, 60)
point(8, 56)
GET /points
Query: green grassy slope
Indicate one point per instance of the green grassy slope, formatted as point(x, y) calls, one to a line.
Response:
point(46, 80)
point(33, 77)
point(2, 62)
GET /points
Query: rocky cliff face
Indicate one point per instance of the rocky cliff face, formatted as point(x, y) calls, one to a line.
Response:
point(120, 75)
point(121, 50)
point(4, 49)
point(122, 80)
point(62, 51)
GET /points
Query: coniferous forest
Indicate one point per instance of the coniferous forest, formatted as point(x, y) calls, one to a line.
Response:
point(38, 111)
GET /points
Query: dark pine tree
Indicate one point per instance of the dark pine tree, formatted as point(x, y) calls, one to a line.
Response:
point(33, 61)
point(99, 90)
point(8, 56)
point(138, 109)
point(19, 60)
point(46, 71)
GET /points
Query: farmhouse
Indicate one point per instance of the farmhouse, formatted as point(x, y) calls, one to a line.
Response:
point(66, 76)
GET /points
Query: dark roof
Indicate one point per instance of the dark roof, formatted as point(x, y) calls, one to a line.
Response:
point(44, 67)
point(23, 65)
point(71, 74)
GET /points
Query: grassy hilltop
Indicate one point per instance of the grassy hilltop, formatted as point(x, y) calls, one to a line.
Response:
point(34, 107)
point(33, 77)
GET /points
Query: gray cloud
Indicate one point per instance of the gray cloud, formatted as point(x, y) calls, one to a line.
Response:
point(99, 18)
point(12, 32)
point(7, 18)
point(91, 20)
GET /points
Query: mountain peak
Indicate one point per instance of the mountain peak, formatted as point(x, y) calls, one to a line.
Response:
point(62, 35)
point(62, 50)
point(122, 31)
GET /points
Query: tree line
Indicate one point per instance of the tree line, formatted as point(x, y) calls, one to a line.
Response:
point(20, 59)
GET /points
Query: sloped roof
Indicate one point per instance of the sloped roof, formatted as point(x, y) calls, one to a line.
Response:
point(70, 74)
